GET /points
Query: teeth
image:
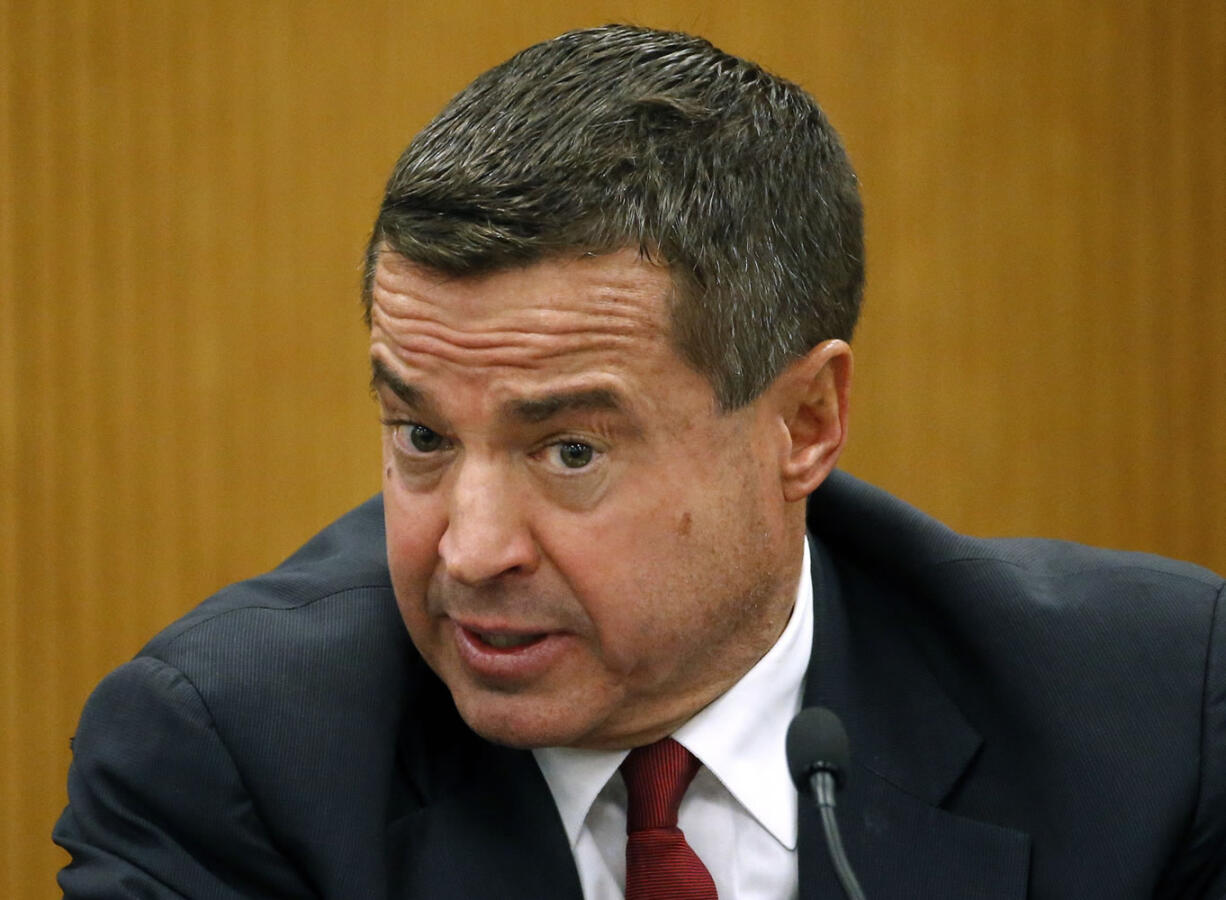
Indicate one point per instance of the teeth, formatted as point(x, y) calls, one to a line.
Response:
point(507, 641)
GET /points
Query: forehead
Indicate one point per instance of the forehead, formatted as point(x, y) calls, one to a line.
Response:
point(592, 314)
point(614, 284)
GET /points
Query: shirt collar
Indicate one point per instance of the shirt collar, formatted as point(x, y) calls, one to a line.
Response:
point(739, 736)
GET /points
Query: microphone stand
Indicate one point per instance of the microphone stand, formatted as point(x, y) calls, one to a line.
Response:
point(822, 782)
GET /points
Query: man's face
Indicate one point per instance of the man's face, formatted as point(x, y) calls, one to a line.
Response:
point(582, 546)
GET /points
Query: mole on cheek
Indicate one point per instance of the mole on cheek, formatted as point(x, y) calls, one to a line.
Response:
point(684, 523)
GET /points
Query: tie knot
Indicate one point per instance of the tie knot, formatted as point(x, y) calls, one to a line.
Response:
point(656, 779)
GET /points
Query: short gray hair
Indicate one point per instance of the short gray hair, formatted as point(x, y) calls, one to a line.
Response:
point(619, 136)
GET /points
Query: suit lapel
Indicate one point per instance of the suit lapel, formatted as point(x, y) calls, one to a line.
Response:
point(910, 748)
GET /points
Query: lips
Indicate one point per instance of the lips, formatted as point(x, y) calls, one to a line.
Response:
point(503, 641)
point(508, 657)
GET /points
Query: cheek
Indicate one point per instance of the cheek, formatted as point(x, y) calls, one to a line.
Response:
point(630, 579)
point(412, 548)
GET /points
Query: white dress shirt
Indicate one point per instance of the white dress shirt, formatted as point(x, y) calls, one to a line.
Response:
point(739, 814)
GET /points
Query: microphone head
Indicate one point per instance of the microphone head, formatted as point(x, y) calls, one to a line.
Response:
point(816, 742)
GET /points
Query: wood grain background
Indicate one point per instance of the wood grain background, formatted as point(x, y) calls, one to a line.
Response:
point(185, 189)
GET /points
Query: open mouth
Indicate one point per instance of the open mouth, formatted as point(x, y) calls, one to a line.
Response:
point(506, 657)
point(506, 641)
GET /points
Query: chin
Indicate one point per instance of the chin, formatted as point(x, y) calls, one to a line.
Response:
point(514, 722)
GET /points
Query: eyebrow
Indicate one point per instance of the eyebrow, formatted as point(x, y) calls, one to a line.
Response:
point(382, 376)
point(530, 410)
point(539, 409)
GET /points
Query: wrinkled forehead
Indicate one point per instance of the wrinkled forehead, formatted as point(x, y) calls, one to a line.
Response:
point(620, 293)
point(580, 327)
point(570, 338)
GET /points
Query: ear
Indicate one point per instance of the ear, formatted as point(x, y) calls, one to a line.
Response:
point(814, 395)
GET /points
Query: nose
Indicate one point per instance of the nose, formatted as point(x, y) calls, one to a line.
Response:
point(487, 534)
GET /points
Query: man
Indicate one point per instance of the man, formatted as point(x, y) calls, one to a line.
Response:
point(610, 291)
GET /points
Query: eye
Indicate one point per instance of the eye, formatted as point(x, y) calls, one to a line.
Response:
point(423, 439)
point(574, 454)
point(413, 439)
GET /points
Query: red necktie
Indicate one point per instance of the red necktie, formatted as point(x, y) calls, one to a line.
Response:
point(660, 865)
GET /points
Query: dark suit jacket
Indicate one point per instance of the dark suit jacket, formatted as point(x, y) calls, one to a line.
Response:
point(1027, 719)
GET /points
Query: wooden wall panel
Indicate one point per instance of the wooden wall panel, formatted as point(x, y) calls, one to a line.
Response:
point(11, 724)
point(1046, 221)
point(185, 189)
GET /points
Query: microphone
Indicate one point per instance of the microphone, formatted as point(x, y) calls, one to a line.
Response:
point(818, 758)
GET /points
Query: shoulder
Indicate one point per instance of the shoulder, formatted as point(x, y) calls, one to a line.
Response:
point(1033, 633)
point(326, 606)
point(1071, 623)
point(1076, 668)
point(327, 579)
point(276, 706)
point(314, 649)
point(902, 544)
